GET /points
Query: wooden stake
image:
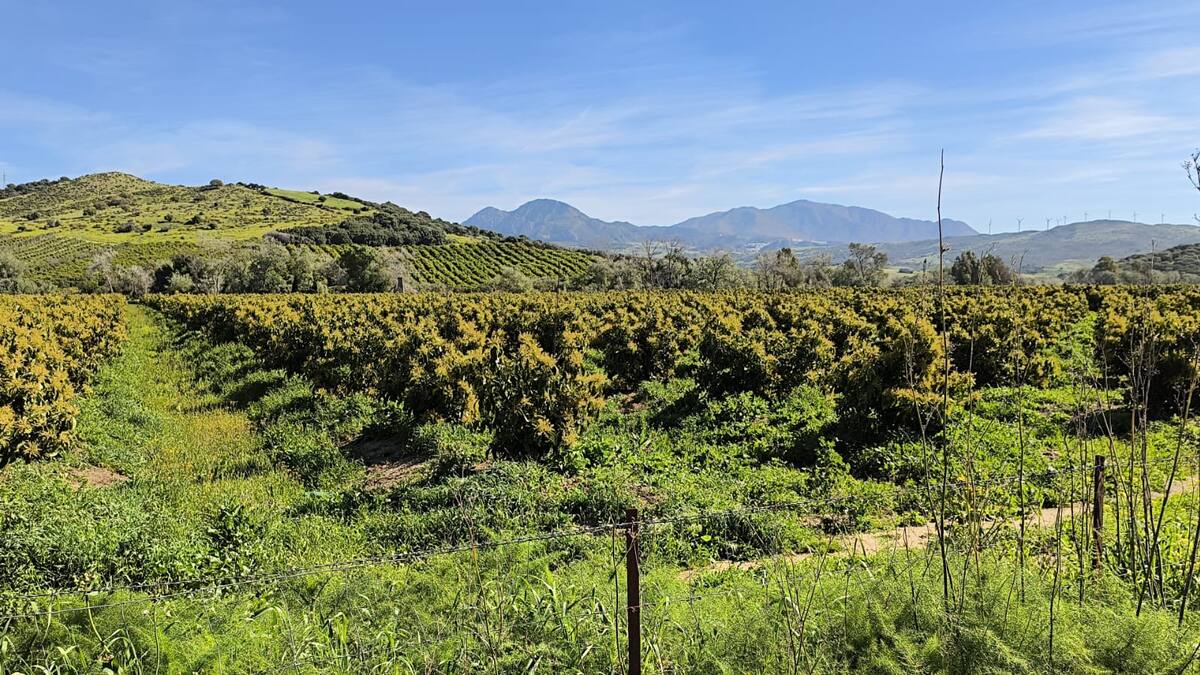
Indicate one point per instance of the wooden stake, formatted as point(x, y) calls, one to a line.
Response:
point(633, 593)
point(1098, 512)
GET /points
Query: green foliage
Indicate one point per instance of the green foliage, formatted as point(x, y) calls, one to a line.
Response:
point(1177, 264)
point(510, 280)
point(11, 272)
point(794, 430)
point(863, 267)
point(387, 225)
point(368, 271)
point(988, 270)
point(49, 348)
point(755, 433)
point(452, 449)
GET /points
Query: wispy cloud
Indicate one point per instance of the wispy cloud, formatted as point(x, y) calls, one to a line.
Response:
point(234, 145)
point(1097, 118)
point(39, 112)
point(646, 122)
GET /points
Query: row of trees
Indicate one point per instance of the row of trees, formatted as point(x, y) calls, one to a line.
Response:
point(1138, 270)
point(265, 267)
point(270, 267)
point(864, 267)
point(670, 268)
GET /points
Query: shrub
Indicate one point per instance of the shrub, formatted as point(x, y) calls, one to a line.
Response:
point(452, 448)
point(793, 429)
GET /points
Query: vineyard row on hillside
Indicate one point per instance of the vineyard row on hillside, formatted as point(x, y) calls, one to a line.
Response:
point(63, 260)
point(473, 265)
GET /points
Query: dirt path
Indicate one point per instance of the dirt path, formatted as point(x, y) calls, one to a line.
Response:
point(915, 536)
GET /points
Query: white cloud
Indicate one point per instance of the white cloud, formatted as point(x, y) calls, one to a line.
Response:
point(1098, 118)
point(19, 110)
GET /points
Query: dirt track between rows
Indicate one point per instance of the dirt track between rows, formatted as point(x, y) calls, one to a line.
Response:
point(914, 536)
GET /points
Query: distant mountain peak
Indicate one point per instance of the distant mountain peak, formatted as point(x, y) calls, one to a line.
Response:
point(545, 201)
point(554, 221)
point(801, 220)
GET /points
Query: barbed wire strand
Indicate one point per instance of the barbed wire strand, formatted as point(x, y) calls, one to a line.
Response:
point(213, 584)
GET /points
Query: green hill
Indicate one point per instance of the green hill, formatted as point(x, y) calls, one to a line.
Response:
point(1183, 260)
point(1059, 249)
point(116, 208)
point(56, 227)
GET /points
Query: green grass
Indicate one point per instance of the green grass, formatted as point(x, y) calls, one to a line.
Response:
point(348, 205)
point(95, 207)
point(230, 469)
point(57, 229)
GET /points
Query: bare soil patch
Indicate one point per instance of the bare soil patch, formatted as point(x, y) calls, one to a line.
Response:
point(95, 477)
point(388, 462)
point(914, 536)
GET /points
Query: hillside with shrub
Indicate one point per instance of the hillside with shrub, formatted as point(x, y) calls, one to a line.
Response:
point(55, 229)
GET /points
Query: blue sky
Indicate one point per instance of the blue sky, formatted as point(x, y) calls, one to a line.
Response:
point(643, 111)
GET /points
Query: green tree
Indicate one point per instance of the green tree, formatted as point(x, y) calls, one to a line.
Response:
point(12, 271)
point(620, 274)
point(180, 282)
point(102, 271)
point(778, 271)
point(713, 273)
point(510, 280)
point(1106, 271)
point(864, 267)
point(971, 270)
point(133, 281)
point(671, 270)
point(267, 271)
point(966, 270)
point(996, 271)
point(818, 270)
point(367, 270)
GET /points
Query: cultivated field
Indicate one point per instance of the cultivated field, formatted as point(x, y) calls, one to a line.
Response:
point(844, 480)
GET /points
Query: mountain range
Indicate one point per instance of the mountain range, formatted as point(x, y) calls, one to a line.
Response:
point(55, 227)
point(1057, 249)
point(812, 228)
point(798, 223)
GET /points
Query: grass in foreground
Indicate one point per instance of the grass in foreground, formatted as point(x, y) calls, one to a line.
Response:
point(199, 464)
